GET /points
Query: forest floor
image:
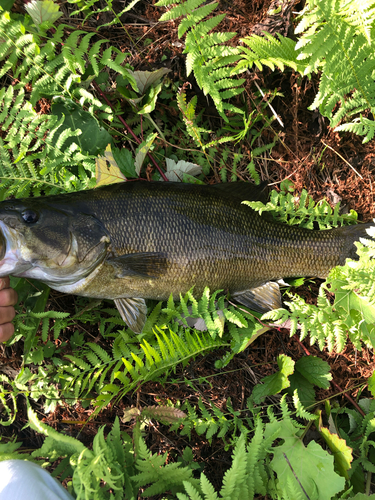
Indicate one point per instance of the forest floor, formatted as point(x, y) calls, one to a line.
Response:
point(310, 154)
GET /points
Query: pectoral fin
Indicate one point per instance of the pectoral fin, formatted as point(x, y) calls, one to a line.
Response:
point(133, 312)
point(262, 299)
point(143, 265)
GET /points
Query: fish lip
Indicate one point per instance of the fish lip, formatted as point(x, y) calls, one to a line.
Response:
point(3, 245)
point(10, 262)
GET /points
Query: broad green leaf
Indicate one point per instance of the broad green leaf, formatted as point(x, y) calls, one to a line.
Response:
point(7, 4)
point(349, 300)
point(91, 138)
point(315, 370)
point(275, 383)
point(175, 171)
point(371, 384)
point(362, 304)
point(142, 151)
point(341, 451)
point(45, 11)
point(145, 79)
point(107, 171)
point(311, 465)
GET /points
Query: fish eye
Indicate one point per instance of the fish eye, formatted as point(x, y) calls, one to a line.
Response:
point(29, 216)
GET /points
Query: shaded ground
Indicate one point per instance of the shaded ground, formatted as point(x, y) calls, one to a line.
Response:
point(311, 155)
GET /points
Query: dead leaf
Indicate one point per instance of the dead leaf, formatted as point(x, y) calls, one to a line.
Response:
point(107, 170)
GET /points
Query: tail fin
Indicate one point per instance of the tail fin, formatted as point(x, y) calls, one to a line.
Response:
point(352, 234)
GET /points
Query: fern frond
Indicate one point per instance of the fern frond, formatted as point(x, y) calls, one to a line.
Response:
point(270, 51)
point(129, 364)
point(199, 14)
point(335, 38)
point(235, 477)
point(207, 56)
point(332, 42)
point(303, 211)
point(360, 14)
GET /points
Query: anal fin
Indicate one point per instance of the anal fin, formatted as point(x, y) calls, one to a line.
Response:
point(262, 299)
point(133, 312)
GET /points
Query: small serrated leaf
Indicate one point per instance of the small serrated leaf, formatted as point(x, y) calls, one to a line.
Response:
point(273, 384)
point(315, 370)
point(124, 159)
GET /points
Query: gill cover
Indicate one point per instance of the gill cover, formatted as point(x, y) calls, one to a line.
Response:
point(53, 245)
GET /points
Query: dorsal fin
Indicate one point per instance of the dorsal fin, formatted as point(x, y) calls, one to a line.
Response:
point(244, 190)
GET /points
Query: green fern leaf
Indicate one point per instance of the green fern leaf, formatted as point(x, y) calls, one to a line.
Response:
point(191, 21)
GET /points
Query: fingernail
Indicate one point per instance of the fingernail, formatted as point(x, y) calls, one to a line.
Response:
point(2, 284)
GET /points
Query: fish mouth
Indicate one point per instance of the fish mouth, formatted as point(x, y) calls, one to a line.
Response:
point(3, 246)
point(10, 261)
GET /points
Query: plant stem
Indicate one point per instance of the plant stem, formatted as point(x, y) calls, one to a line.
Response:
point(99, 90)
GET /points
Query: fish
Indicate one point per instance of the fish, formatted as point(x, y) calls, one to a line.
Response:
point(141, 240)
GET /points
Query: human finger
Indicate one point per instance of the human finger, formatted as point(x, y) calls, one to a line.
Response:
point(4, 282)
point(8, 297)
point(6, 331)
point(6, 314)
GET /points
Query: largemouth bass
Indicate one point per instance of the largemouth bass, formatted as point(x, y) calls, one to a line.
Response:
point(137, 240)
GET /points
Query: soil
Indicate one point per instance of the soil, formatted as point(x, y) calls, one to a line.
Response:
point(310, 154)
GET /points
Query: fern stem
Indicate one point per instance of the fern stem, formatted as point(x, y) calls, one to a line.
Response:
point(99, 90)
point(123, 27)
point(349, 398)
point(368, 483)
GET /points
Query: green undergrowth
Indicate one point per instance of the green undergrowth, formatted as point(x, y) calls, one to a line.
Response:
point(269, 457)
point(71, 104)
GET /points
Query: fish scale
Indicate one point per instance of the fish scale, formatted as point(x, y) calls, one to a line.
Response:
point(137, 240)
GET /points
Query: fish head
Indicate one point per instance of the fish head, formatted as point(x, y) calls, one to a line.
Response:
point(54, 245)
